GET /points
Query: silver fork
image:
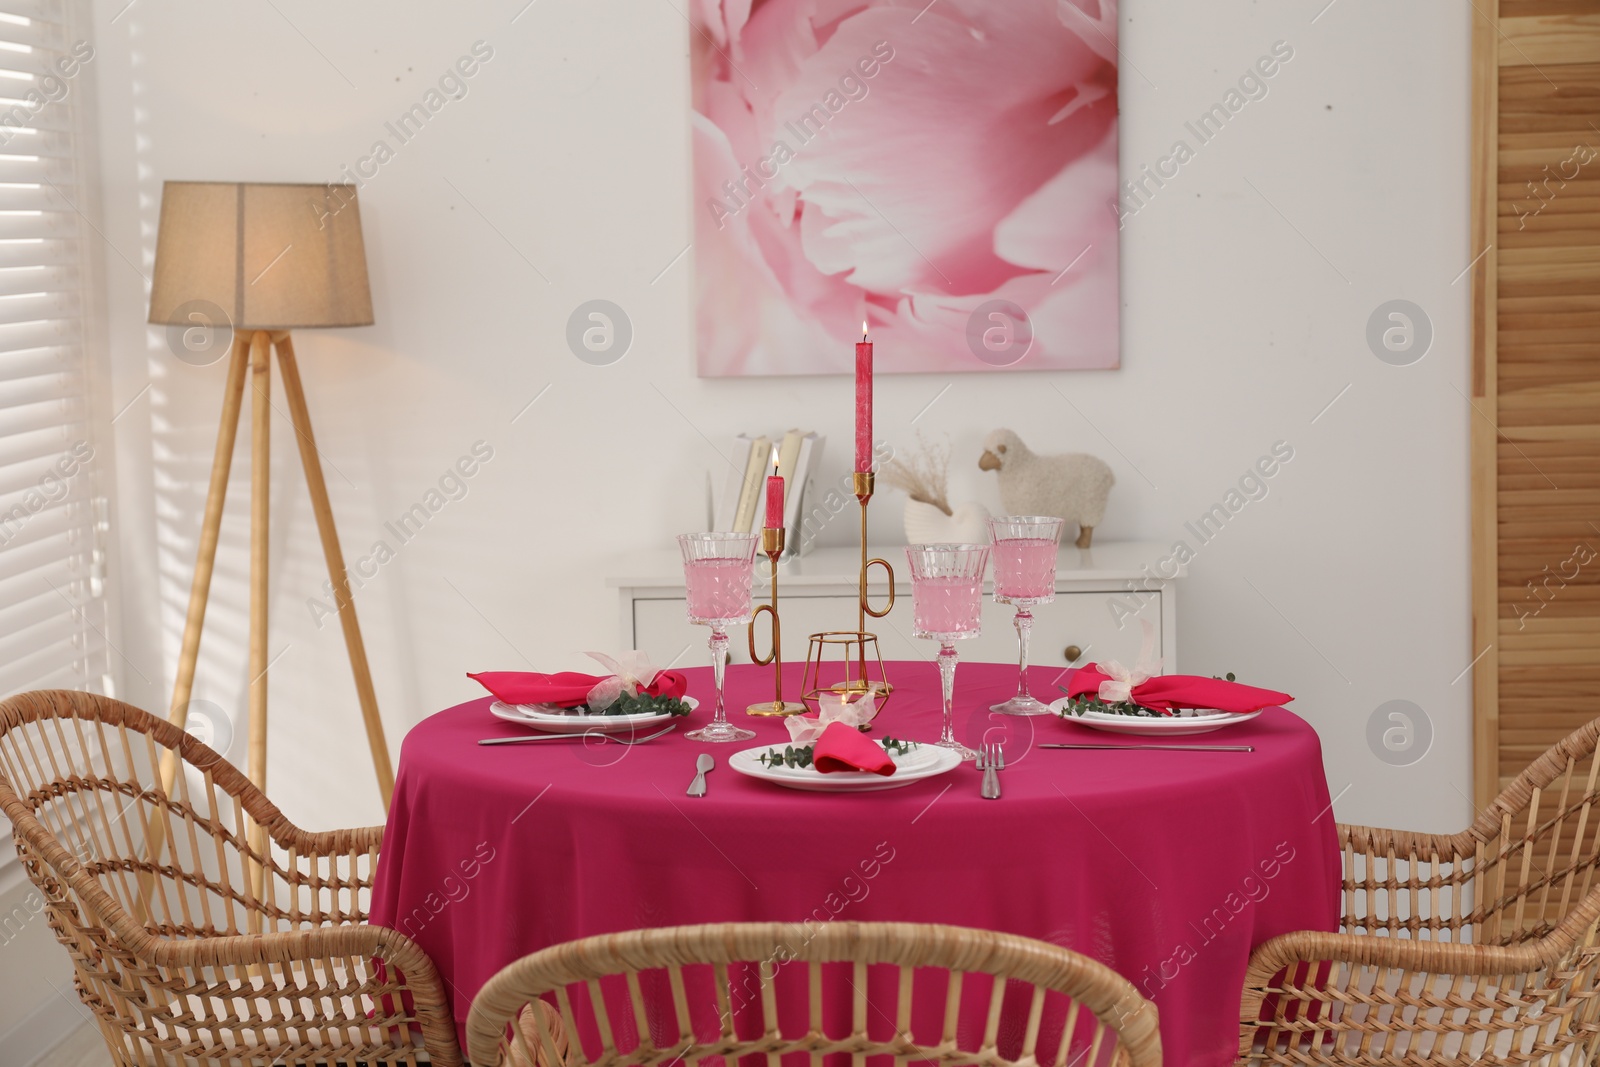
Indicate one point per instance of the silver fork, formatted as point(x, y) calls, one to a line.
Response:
point(999, 765)
point(990, 789)
point(592, 735)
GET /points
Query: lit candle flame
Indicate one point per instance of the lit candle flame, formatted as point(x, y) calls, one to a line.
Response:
point(774, 459)
point(863, 329)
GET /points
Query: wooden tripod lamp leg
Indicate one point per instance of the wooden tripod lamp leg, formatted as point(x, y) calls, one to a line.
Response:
point(210, 529)
point(199, 590)
point(260, 500)
point(260, 490)
point(337, 574)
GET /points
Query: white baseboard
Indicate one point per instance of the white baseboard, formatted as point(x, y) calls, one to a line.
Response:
point(45, 1027)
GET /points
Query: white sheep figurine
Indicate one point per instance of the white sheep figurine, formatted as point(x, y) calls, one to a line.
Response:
point(1073, 487)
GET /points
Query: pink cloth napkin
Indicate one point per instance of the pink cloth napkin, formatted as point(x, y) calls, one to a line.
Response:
point(567, 689)
point(1167, 692)
point(844, 748)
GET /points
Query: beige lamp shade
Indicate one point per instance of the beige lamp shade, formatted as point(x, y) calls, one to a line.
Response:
point(270, 256)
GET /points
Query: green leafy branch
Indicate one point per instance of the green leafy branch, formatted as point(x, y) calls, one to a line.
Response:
point(800, 755)
point(642, 704)
point(1076, 706)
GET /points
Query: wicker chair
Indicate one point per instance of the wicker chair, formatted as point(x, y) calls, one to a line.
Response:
point(718, 978)
point(1478, 947)
point(185, 959)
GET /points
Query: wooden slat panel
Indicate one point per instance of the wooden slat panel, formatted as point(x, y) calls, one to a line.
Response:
point(1531, 96)
point(1537, 226)
point(1566, 37)
point(1512, 9)
point(1560, 142)
point(1539, 373)
point(1578, 197)
point(1522, 434)
point(1564, 158)
point(1567, 558)
point(1552, 264)
point(1516, 482)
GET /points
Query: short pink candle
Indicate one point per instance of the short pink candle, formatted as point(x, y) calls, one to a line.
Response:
point(864, 403)
point(774, 499)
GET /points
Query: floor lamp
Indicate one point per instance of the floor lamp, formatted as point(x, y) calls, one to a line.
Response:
point(263, 258)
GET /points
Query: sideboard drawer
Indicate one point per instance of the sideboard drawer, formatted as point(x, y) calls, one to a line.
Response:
point(1081, 620)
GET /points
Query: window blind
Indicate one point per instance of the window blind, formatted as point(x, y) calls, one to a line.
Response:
point(53, 613)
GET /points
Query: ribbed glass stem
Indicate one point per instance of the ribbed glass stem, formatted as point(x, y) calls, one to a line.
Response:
point(719, 662)
point(947, 689)
point(1024, 625)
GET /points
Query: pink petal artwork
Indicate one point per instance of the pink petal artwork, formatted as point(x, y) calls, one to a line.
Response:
point(917, 167)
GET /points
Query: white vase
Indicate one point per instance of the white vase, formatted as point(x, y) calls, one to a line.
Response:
point(926, 524)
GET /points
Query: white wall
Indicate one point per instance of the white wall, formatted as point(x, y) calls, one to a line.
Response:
point(1247, 284)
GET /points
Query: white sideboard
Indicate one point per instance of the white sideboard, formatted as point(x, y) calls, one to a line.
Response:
point(1098, 592)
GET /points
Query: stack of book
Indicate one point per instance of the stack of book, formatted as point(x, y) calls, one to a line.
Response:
point(741, 508)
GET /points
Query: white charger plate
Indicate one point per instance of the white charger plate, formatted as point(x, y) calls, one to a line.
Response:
point(1202, 722)
point(553, 720)
point(924, 761)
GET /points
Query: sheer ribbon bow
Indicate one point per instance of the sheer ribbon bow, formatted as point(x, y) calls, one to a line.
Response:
point(833, 707)
point(630, 672)
point(1119, 687)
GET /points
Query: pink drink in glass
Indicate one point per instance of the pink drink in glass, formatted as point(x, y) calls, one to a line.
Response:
point(718, 588)
point(717, 574)
point(948, 606)
point(1024, 568)
point(1024, 576)
point(947, 586)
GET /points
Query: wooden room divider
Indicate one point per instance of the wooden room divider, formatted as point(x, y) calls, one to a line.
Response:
point(1535, 380)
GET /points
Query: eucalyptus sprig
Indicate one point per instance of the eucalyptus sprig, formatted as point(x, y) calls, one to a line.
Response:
point(642, 704)
point(1076, 706)
point(800, 755)
point(1089, 702)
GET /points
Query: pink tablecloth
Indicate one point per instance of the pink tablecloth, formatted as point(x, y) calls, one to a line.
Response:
point(1168, 867)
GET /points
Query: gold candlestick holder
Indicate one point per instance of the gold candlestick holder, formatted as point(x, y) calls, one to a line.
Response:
point(862, 483)
point(859, 646)
point(772, 547)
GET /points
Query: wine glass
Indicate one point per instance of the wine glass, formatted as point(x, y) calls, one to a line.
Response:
point(947, 596)
point(1024, 577)
point(718, 569)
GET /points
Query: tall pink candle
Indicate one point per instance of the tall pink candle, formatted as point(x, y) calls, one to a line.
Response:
point(774, 497)
point(864, 403)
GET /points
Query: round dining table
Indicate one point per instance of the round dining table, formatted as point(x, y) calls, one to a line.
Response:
point(1167, 866)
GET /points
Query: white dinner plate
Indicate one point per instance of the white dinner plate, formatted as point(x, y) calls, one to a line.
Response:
point(1201, 721)
point(554, 720)
point(924, 761)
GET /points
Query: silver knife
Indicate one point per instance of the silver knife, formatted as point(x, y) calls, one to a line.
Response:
point(704, 763)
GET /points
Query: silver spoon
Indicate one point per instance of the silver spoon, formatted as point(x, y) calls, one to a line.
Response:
point(706, 762)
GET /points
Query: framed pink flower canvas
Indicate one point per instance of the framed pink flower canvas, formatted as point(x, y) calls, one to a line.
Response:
point(945, 172)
